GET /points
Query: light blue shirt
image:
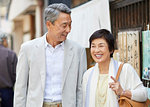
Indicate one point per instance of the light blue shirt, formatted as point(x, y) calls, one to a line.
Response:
point(54, 69)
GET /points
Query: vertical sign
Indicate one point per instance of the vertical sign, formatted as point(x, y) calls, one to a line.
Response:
point(146, 55)
point(129, 49)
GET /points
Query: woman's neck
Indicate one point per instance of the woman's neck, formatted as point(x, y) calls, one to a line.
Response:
point(104, 67)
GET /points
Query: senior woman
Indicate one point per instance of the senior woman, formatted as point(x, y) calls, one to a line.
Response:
point(100, 88)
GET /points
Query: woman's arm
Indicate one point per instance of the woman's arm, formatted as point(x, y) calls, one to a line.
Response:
point(126, 93)
point(116, 87)
point(130, 85)
point(133, 86)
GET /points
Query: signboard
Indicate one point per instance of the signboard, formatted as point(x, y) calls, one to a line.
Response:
point(146, 55)
point(129, 49)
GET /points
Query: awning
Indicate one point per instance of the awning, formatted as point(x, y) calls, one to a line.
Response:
point(18, 7)
point(88, 18)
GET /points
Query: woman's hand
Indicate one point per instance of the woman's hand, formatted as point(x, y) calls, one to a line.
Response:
point(116, 87)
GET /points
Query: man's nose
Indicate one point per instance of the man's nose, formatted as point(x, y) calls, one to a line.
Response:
point(68, 29)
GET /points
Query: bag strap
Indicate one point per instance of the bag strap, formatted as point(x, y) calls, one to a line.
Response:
point(119, 70)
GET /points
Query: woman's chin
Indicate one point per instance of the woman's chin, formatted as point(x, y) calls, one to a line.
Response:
point(99, 61)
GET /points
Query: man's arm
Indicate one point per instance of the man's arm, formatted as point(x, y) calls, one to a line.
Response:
point(11, 64)
point(14, 64)
point(20, 92)
point(82, 69)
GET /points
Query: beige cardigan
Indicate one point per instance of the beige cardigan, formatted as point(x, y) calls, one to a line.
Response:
point(129, 80)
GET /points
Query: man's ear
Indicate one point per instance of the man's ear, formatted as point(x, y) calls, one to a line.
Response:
point(48, 24)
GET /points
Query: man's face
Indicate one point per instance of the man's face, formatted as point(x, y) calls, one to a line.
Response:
point(60, 28)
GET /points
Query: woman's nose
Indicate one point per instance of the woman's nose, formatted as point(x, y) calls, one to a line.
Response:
point(97, 49)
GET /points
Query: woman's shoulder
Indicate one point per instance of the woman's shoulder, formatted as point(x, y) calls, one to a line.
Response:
point(87, 73)
point(128, 69)
point(128, 66)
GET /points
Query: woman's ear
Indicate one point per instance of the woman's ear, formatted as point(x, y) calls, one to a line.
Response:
point(111, 51)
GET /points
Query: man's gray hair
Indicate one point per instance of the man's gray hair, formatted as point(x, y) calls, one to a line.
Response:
point(2, 36)
point(52, 11)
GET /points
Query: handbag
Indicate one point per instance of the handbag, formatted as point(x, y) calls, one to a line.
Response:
point(126, 102)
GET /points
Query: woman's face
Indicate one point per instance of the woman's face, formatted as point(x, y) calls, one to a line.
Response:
point(100, 51)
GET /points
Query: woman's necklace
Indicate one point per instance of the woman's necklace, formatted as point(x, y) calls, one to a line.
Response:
point(102, 88)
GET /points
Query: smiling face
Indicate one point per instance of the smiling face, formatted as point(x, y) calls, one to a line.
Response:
point(58, 31)
point(100, 51)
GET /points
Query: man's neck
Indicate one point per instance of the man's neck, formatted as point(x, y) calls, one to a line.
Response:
point(52, 41)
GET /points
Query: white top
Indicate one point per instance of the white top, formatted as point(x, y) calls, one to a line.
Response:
point(54, 69)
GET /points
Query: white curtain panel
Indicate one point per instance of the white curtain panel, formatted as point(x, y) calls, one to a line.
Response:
point(88, 18)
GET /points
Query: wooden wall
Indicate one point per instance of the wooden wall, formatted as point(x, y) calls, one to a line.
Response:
point(127, 15)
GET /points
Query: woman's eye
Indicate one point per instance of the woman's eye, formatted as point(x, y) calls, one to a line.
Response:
point(101, 46)
point(92, 46)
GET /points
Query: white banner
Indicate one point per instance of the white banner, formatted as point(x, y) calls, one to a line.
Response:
point(88, 18)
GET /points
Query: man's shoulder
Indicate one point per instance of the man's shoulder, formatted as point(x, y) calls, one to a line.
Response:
point(73, 43)
point(32, 42)
point(4, 49)
point(7, 51)
point(11, 51)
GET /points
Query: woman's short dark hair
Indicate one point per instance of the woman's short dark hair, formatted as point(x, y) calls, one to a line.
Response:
point(105, 34)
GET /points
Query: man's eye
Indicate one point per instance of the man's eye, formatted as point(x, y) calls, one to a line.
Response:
point(69, 25)
point(64, 26)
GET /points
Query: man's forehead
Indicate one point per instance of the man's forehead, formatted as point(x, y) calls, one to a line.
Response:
point(68, 21)
point(64, 21)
